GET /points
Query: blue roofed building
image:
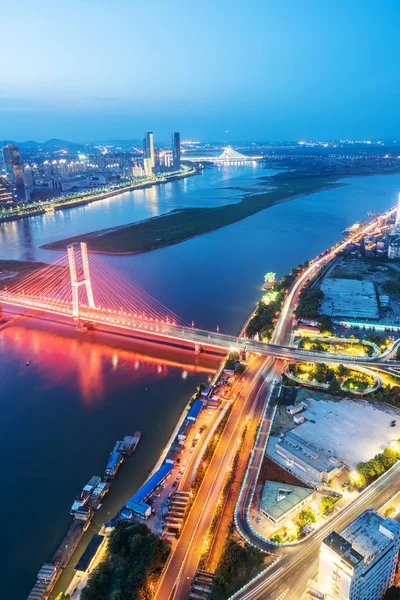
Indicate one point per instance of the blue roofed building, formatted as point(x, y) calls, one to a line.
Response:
point(195, 410)
point(137, 502)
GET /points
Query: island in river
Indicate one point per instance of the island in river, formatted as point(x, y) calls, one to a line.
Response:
point(180, 225)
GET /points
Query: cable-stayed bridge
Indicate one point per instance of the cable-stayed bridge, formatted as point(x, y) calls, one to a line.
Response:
point(92, 292)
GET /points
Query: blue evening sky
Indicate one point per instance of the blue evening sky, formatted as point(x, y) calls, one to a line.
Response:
point(212, 69)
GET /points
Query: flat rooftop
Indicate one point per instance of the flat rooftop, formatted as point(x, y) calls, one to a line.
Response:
point(364, 538)
point(316, 457)
point(349, 298)
point(353, 431)
point(277, 499)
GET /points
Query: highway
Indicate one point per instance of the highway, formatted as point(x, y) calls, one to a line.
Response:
point(176, 579)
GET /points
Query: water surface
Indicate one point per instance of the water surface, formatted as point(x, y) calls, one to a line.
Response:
point(61, 415)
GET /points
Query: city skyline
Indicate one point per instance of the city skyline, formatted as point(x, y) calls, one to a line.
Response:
point(287, 72)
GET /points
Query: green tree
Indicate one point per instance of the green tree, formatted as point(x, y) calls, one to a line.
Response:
point(325, 324)
point(277, 538)
point(327, 503)
point(335, 387)
point(390, 511)
point(393, 593)
point(306, 517)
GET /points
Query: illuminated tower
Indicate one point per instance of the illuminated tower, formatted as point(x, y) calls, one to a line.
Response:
point(74, 278)
point(176, 150)
point(148, 148)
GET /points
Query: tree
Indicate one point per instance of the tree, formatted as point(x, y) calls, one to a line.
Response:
point(327, 503)
point(325, 324)
point(335, 387)
point(390, 511)
point(393, 593)
point(277, 538)
point(306, 517)
point(135, 556)
point(342, 370)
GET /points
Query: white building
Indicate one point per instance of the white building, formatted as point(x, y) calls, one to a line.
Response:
point(148, 167)
point(358, 563)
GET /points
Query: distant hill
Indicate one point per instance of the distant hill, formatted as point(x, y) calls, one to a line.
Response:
point(56, 144)
point(53, 144)
point(122, 143)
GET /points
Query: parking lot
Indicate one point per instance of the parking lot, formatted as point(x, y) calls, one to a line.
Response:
point(351, 430)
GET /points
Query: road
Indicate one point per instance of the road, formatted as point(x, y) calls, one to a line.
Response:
point(176, 579)
point(298, 563)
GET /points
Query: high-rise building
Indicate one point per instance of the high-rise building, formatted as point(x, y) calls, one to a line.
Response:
point(148, 148)
point(5, 191)
point(176, 150)
point(148, 168)
point(15, 170)
point(398, 213)
point(358, 563)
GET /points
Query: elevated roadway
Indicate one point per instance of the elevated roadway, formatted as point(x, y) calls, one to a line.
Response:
point(298, 563)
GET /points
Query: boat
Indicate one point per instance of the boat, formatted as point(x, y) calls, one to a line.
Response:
point(114, 463)
point(27, 363)
point(83, 497)
point(128, 444)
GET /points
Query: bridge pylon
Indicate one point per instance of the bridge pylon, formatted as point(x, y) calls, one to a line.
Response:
point(75, 283)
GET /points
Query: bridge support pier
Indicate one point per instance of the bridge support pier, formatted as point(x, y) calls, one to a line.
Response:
point(75, 284)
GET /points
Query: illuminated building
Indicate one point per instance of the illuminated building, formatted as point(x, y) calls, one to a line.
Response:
point(14, 168)
point(398, 213)
point(176, 150)
point(148, 148)
point(394, 248)
point(5, 192)
point(358, 563)
point(148, 167)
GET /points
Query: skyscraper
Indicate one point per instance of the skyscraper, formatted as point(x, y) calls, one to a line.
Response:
point(15, 171)
point(176, 150)
point(398, 213)
point(358, 563)
point(148, 148)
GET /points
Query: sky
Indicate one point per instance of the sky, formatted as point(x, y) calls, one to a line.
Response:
point(227, 70)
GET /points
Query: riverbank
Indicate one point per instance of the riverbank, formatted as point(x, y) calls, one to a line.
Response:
point(180, 225)
point(86, 198)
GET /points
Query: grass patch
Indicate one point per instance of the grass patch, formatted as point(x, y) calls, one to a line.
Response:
point(181, 225)
point(21, 267)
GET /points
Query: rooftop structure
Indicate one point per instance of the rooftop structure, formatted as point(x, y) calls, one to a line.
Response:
point(359, 562)
point(352, 431)
point(137, 502)
point(195, 410)
point(279, 501)
point(315, 465)
point(349, 298)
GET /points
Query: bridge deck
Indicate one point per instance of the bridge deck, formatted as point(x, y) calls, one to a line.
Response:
point(191, 335)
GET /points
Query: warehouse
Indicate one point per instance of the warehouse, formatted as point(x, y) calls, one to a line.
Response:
point(349, 298)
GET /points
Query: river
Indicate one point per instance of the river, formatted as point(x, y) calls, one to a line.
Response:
point(62, 414)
